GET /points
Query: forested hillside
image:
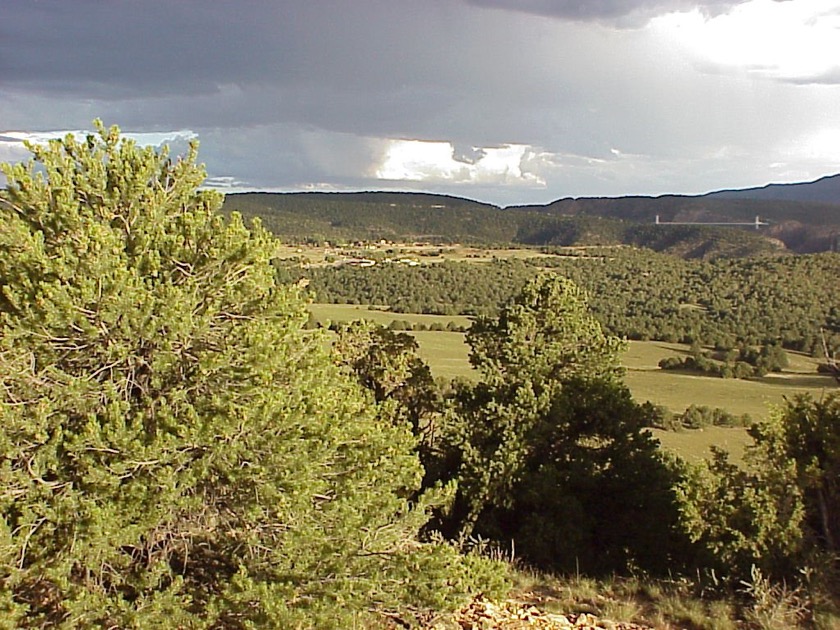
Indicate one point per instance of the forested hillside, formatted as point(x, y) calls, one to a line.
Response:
point(372, 216)
point(349, 217)
point(801, 226)
point(823, 190)
point(634, 293)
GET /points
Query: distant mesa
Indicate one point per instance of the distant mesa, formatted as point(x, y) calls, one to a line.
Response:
point(823, 190)
point(801, 218)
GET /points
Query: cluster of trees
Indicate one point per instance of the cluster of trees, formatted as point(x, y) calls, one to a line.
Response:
point(743, 362)
point(696, 417)
point(644, 295)
point(780, 511)
point(776, 300)
point(447, 288)
point(547, 449)
point(549, 452)
point(635, 293)
point(177, 449)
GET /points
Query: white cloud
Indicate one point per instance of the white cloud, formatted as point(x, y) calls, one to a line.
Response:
point(822, 145)
point(13, 149)
point(226, 184)
point(12, 142)
point(426, 161)
point(807, 156)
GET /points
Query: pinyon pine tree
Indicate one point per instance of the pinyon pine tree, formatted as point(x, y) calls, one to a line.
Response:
point(549, 448)
point(175, 450)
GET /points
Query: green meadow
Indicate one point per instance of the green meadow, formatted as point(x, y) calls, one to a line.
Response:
point(350, 312)
point(678, 390)
point(447, 355)
point(695, 444)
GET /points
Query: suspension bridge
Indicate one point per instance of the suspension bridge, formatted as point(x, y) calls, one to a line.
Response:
point(756, 224)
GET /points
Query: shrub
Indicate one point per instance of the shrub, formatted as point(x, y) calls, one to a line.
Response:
point(549, 449)
point(175, 451)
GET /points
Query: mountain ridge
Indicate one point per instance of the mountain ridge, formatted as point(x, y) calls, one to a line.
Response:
point(825, 189)
point(801, 226)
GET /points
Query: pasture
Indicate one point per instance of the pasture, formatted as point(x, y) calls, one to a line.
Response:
point(677, 390)
point(446, 353)
point(350, 312)
point(694, 445)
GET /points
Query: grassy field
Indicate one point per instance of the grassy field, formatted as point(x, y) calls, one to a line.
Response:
point(445, 352)
point(447, 355)
point(694, 444)
point(677, 390)
point(350, 312)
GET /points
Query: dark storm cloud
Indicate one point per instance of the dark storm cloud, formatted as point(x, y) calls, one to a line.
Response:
point(619, 12)
point(120, 49)
point(346, 66)
point(829, 77)
point(125, 48)
point(153, 46)
point(436, 70)
point(317, 93)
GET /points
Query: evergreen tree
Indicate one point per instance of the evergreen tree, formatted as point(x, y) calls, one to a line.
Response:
point(387, 363)
point(782, 509)
point(549, 448)
point(175, 450)
point(543, 336)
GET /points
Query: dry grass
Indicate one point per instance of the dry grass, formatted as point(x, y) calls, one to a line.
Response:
point(694, 445)
point(672, 604)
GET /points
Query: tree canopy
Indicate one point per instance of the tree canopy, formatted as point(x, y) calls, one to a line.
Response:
point(175, 450)
point(548, 448)
point(635, 293)
point(781, 510)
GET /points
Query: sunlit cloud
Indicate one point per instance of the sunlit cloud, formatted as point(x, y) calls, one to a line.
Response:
point(815, 152)
point(424, 161)
point(822, 145)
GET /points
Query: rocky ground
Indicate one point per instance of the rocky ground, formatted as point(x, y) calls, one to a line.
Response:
point(483, 614)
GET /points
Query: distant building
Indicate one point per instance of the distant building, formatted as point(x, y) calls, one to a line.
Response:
point(357, 262)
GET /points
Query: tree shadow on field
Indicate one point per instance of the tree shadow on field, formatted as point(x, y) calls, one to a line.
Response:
point(798, 380)
point(685, 351)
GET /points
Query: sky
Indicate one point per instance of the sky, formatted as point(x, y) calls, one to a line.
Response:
point(504, 101)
